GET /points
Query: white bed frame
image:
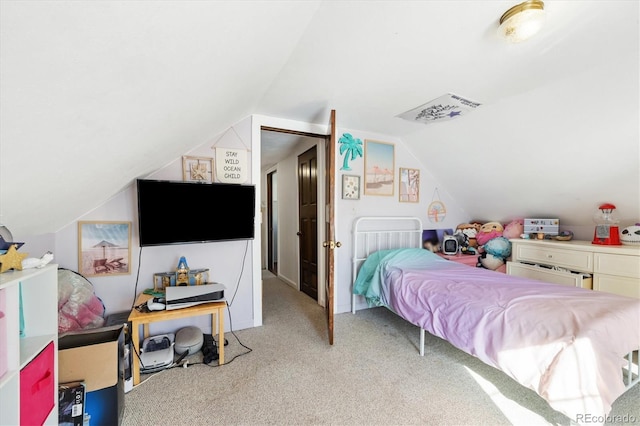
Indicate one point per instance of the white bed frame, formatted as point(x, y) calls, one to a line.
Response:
point(373, 233)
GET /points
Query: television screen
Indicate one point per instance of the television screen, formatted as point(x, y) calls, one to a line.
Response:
point(172, 212)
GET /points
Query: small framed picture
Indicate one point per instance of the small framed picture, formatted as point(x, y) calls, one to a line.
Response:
point(409, 185)
point(350, 187)
point(197, 169)
point(104, 248)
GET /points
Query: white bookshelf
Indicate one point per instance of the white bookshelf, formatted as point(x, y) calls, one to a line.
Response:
point(40, 313)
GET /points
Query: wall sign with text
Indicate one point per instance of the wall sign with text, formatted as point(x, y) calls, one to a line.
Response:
point(231, 165)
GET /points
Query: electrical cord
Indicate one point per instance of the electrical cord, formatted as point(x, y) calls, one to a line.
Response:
point(214, 343)
point(249, 350)
point(244, 259)
point(135, 288)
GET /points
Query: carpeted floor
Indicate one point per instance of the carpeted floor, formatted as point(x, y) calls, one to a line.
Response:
point(372, 375)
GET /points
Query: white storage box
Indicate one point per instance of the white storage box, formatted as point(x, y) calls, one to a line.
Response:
point(546, 226)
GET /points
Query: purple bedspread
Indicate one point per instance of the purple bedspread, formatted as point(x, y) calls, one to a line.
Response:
point(565, 343)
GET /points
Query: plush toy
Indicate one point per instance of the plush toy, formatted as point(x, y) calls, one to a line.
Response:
point(495, 252)
point(470, 230)
point(489, 231)
point(431, 245)
point(513, 229)
point(630, 234)
point(464, 245)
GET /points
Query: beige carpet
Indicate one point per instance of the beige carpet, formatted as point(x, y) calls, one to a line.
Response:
point(372, 375)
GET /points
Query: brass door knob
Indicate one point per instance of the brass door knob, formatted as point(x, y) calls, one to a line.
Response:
point(332, 244)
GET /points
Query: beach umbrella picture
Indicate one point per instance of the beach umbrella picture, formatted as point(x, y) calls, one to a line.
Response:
point(104, 244)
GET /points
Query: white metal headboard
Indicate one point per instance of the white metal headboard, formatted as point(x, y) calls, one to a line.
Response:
point(373, 233)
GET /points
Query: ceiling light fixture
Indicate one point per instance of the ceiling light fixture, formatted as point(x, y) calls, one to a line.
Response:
point(522, 21)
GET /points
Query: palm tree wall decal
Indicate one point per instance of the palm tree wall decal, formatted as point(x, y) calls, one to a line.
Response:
point(351, 148)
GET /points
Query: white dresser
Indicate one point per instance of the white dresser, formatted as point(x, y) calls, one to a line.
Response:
point(614, 269)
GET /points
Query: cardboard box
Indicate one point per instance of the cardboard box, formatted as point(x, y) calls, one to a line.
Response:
point(546, 226)
point(117, 318)
point(96, 357)
point(71, 404)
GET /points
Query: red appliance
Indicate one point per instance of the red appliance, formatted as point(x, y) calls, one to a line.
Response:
point(607, 232)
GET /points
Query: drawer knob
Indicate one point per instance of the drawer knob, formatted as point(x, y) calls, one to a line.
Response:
point(550, 256)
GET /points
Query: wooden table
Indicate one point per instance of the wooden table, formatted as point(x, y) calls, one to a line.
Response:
point(215, 309)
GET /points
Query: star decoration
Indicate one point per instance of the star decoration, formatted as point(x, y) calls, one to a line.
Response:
point(11, 259)
point(199, 171)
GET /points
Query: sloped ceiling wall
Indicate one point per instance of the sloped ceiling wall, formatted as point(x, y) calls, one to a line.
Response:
point(95, 94)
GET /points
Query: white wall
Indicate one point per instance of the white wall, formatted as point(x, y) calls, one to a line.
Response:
point(238, 264)
point(370, 205)
point(230, 263)
point(346, 211)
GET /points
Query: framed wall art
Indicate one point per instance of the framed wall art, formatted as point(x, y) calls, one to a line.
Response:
point(379, 163)
point(350, 187)
point(104, 248)
point(197, 169)
point(409, 185)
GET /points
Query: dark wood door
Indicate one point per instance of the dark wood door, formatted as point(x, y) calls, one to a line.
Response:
point(330, 242)
point(308, 223)
point(272, 263)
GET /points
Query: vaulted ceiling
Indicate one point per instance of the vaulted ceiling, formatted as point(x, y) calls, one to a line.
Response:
point(94, 94)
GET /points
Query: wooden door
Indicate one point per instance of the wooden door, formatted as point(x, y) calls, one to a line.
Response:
point(272, 263)
point(308, 221)
point(330, 243)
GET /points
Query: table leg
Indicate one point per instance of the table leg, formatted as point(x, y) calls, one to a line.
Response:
point(220, 336)
point(135, 338)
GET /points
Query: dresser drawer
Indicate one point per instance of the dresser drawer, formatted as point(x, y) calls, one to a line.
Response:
point(581, 261)
point(540, 273)
point(613, 264)
point(619, 285)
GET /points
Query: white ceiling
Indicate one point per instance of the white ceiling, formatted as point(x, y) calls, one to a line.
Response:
point(276, 146)
point(95, 94)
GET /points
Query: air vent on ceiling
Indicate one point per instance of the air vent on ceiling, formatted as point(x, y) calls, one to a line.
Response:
point(444, 108)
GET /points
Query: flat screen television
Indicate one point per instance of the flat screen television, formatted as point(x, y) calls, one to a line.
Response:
point(173, 212)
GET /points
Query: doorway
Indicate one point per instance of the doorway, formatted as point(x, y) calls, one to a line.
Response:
point(325, 142)
point(280, 149)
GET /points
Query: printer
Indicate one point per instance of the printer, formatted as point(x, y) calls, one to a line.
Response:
point(177, 297)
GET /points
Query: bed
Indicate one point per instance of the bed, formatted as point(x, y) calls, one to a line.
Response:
point(574, 347)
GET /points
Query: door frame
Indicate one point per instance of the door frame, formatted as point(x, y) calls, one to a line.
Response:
point(258, 122)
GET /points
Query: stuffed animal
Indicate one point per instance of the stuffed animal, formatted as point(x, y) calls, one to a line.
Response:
point(464, 244)
point(489, 231)
point(495, 252)
point(431, 245)
point(630, 234)
point(513, 229)
point(470, 230)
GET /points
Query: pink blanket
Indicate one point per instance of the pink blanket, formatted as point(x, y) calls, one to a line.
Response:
point(565, 343)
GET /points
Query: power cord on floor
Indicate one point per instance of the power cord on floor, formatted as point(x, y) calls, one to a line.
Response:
point(209, 345)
